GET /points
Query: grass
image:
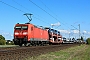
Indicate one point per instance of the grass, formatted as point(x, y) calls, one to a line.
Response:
point(8, 45)
point(74, 53)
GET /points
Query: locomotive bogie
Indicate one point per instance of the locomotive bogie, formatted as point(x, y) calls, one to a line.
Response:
point(20, 41)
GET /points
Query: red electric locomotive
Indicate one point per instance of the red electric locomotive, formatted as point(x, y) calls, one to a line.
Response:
point(29, 33)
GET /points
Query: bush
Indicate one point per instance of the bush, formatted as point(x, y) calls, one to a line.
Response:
point(2, 42)
point(1, 37)
point(11, 43)
point(88, 41)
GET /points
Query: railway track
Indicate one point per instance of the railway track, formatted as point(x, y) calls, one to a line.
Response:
point(21, 53)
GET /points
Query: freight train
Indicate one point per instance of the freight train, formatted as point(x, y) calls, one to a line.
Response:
point(29, 34)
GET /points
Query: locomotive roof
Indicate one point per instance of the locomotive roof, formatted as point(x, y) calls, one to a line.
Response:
point(41, 27)
point(24, 24)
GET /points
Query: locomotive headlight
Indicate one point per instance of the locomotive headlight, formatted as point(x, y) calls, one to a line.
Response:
point(16, 33)
point(24, 33)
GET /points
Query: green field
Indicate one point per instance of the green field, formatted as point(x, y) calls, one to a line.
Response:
point(74, 53)
point(8, 45)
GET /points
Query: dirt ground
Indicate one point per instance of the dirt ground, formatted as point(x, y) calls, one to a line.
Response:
point(24, 52)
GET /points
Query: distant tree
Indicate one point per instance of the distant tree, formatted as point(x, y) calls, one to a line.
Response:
point(81, 38)
point(2, 40)
point(88, 41)
point(1, 37)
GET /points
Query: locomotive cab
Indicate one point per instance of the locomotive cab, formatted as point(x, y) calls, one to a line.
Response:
point(20, 34)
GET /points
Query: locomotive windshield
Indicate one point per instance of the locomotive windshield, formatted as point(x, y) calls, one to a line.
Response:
point(21, 27)
point(24, 27)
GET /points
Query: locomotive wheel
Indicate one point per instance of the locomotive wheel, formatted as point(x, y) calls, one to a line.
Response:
point(42, 44)
point(25, 44)
point(20, 45)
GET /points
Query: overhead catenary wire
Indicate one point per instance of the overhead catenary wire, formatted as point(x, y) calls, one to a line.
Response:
point(75, 27)
point(47, 7)
point(46, 12)
point(20, 5)
point(12, 6)
point(19, 10)
point(30, 11)
point(55, 14)
point(41, 20)
point(42, 9)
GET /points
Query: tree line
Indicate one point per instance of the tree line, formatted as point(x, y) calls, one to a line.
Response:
point(5, 42)
point(9, 42)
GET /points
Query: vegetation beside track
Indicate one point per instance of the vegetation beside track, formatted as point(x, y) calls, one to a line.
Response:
point(81, 52)
point(8, 45)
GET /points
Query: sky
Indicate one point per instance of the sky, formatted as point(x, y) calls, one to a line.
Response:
point(65, 15)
